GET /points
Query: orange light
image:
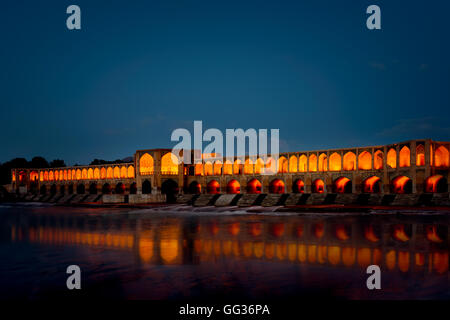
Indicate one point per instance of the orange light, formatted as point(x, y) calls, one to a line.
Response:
point(372, 185)
point(255, 228)
point(276, 186)
point(441, 157)
point(405, 157)
point(420, 155)
point(399, 233)
point(299, 186)
point(369, 234)
point(335, 162)
point(323, 165)
point(400, 184)
point(313, 162)
point(318, 186)
point(213, 187)
point(341, 233)
point(300, 231)
point(432, 234)
point(233, 187)
point(432, 183)
point(248, 166)
point(293, 167)
point(277, 229)
point(392, 158)
point(254, 186)
point(282, 165)
point(342, 185)
point(349, 161)
point(234, 228)
point(365, 161)
point(319, 230)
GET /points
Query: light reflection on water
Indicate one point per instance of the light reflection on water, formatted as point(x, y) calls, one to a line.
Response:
point(177, 256)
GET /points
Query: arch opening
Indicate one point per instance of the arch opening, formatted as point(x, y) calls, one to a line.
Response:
point(233, 187)
point(342, 185)
point(401, 185)
point(133, 188)
point(372, 185)
point(298, 186)
point(254, 186)
point(335, 162)
point(405, 157)
point(365, 161)
point(213, 187)
point(318, 186)
point(420, 155)
point(349, 161)
point(81, 189)
point(195, 188)
point(146, 187)
point(120, 188)
point(93, 188)
point(276, 186)
point(170, 189)
point(441, 157)
point(106, 189)
point(436, 184)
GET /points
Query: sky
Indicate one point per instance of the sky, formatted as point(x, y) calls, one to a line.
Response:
point(137, 70)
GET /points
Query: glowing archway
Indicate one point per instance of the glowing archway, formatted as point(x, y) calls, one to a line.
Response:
point(96, 173)
point(228, 167)
point(436, 184)
point(90, 174)
point(217, 168)
point(323, 163)
point(146, 164)
point(248, 166)
point(276, 186)
point(441, 157)
point(259, 165)
point(335, 161)
point(130, 172)
point(404, 157)
point(302, 163)
point(372, 185)
point(169, 164)
point(237, 167)
point(123, 172)
point(342, 185)
point(233, 187)
point(364, 161)
point(312, 162)
point(420, 155)
point(293, 164)
point(109, 173)
point(213, 187)
point(378, 160)
point(116, 173)
point(318, 186)
point(83, 174)
point(298, 186)
point(282, 165)
point(208, 167)
point(195, 188)
point(254, 186)
point(103, 173)
point(349, 161)
point(391, 160)
point(401, 184)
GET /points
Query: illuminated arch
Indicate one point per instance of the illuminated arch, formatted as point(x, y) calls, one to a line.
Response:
point(228, 167)
point(323, 164)
point(254, 186)
point(302, 163)
point(259, 165)
point(349, 161)
point(312, 162)
point(109, 173)
point(276, 186)
point(372, 185)
point(90, 174)
point(123, 172)
point(282, 165)
point(198, 169)
point(130, 172)
point(74, 174)
point(34, 176)
point(169, 164)
point(116, 172)
point(103, 173)
point(318, 186)
point(213, 187)
point(146, 164)
point(378, 160)
point(69, 174)
point(441, 157)
point(45, 175)
point(56, 175)
point(342, 185)
point(436, 184)
point(270, 166)
point(61, 175)
point(233, 187)
point(420, 155)
point(96, 173)
point(50, 176)
point(248, 166)
point(404, 157)
point(120, 188)
point(208, 168)
point(84, 174)
point(293, 164)
point(217, 168)
point(65, 175)
point(364, 161)
point(335, 162)
point(237, 167)
point(298, 186)
point(401, 184)
point(78, 174)
point(391, 159)
point(41, 176)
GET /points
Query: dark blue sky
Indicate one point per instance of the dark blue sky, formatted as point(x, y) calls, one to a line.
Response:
point(139, 69)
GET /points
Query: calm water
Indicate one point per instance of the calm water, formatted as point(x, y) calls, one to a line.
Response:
point(178, 253)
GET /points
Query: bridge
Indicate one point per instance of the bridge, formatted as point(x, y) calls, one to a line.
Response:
point(414, 167)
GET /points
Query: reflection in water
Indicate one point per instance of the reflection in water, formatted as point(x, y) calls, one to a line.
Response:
point(406, 246)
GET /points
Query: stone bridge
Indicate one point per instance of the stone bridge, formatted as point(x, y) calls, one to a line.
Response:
point(413, 167)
